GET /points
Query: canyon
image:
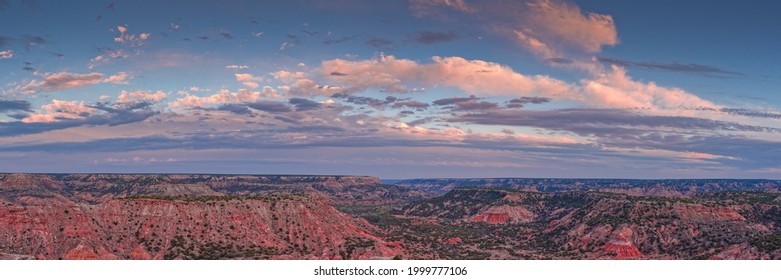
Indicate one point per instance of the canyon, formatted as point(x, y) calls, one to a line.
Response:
point(205, 216)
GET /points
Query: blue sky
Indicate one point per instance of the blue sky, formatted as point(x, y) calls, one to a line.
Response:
point(396, 89)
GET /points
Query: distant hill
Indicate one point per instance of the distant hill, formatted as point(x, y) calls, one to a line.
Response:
point(664, 187)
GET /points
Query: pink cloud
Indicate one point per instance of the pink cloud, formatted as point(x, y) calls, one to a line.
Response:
point(131, 39)
point(472, 76)
point(534, 45)
point(547, 28)
point(60, 109)
point(565, 24)
point(119, 78)
point(686, 155)
point(224, 97)
point(612, 88)
point(65, 80)
point(248, 80)
point(137, 96)
point(300, 84)
point(106, 58)
point(616, 89)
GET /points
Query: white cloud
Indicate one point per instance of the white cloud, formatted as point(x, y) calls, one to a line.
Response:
point(286, 46)
point(6, 54)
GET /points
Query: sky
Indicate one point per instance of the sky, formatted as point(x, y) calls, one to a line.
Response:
point(395, 89)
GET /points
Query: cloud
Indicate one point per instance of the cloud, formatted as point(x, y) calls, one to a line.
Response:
point(62, 114)
point(226, 35)
point(310, 33)
point(547, 28)
point(749, 113)
point(602, 122)
point(331, 41)
point(224, 97)
point(617, 89)
point(520, 102)
point(248, 80)
point(269, 106)
point(300, 84)
point(472, 76)
point(60, 109)
point(237, 67)
point(610, 88)
point(422, 8)
point(141, 96)
point(302, 104)
point(286, 45)
point(7, 54)
point(475, 105)
point(107, 57)
point(470, 103)
point(631, 134)
point(119, 78)
point(265, 106)
point(454, 100)
point(411, 104)
point(671, 67)
point(14, 105)
point(561, 23)
point(434, 37)
point(379, 43)
point(65, 80)
point(132, 40)
point(365, 100)
point(30, 41)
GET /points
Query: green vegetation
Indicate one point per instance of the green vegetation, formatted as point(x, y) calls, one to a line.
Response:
point(181, 248)
point(352, 244)
point(768, 243)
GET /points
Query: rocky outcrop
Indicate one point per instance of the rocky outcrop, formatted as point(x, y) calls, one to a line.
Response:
point(703, 213)
point(298, 227)
point(621, 244)
point(504, 214)
point(738, 252)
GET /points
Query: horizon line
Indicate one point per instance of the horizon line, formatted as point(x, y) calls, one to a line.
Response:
point(383, 179)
